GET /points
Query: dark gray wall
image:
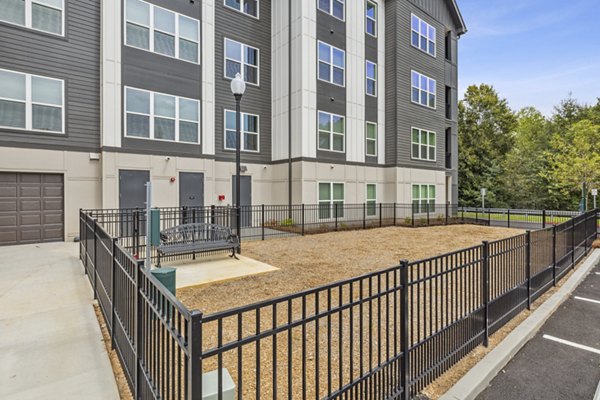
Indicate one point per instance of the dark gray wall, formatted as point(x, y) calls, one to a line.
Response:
point(151, 71)
point(254, 32)
point(74, 58)
point(330, 98)
point(371, 103)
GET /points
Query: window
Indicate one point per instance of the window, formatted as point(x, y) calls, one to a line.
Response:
point(371, 199)
point(448, 45)
point(249, 7)
point(449, 148)
point(241, 59)
point(41, 15)
point(158, 116)
point(371, 137)
point(448, 102)
point(156, 29)
point(331, 200)
point(423, 145)
point(332, 7)
point(371, 18)
point(332, 64)
point(423, 90)
point(423, 198)
point(332, 132)
point(248, 131)
point(31, 102)
point(423, 35)
point(371, 78)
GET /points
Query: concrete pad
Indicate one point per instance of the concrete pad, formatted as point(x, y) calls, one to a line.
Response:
point(217, 268)
point(479, 377)
point(50, 340)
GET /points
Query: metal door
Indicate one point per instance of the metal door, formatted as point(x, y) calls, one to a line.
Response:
point(132, 194)
point(191, 196)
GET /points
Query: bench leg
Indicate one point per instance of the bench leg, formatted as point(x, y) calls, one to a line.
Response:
point(233, 254)
point(158, 259)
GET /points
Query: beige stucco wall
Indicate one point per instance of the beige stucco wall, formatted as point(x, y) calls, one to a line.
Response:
point(82, 187)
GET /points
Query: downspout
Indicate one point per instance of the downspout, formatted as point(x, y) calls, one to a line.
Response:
point(290, 109)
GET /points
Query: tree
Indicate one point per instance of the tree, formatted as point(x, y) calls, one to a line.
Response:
point(576, 159)
point(486, 126)
point(523, 180)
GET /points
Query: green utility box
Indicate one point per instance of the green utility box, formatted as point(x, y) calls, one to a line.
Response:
point(155, 227)
point(166, 276)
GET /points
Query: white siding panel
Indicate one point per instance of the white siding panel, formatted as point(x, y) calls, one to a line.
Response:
point(355, 81)
point(208, 77)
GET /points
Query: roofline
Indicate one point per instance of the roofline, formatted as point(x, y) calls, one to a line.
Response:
point(462, 27)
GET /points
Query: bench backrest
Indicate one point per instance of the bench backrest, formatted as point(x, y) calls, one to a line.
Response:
point(196, 232)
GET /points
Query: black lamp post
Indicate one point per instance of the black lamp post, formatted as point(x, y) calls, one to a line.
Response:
point(238, 87)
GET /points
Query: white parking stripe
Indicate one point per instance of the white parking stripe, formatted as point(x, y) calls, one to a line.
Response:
point(597, 395)
point(588, 300)
point(572, 344)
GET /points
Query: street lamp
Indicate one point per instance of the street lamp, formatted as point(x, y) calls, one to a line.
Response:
point(238, 87)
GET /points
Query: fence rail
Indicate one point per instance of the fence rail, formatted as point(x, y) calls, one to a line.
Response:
point(384, 335)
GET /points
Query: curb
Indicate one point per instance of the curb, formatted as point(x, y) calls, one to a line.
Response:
point(479, 377)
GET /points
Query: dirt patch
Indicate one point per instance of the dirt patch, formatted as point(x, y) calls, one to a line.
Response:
point(122, 385)
point(311, 261)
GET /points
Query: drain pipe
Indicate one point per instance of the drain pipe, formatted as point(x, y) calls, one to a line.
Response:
point(290, 109)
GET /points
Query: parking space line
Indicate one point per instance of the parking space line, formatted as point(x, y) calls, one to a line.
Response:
point(597, 395)
point(572, 344)
point(588, 300)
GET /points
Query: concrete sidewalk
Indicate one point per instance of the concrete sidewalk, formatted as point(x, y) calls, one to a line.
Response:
point(50, 341)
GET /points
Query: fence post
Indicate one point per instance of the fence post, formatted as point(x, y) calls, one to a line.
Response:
point(528, 266)
point(585, 242)
point(447, 206)
point(95, 260)
point(428, 214)
point(412, 209)
point(364, 215)
point(138, 331)
point(212, 214)
point(302, 219)
point(485, 292)
point(543, 219)
point(194, 335)
point(404, 321)
point(554, 255)
point(462, 213)
point(508, 218)
point(380, 216)
point(112, 294)
point(336, 215)
point(262, 216)
point(394, 214)
point(489, 217)
point(476, 215)
point(573, 243)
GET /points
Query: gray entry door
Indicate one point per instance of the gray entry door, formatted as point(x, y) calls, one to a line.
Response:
point(132, 189)
point(191, 195)
point(245, 199)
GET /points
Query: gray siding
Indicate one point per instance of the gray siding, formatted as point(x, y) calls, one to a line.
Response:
point(74, 58)
point(371, 103)
point(257, 99)
point(151, 71)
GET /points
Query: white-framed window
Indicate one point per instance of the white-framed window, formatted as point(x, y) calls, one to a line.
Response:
point(423, 90)
point(423, 198)
point(371, 199)
point(335, 8)
point(158, 116)
point(156, 29)
point(31, 102)
point(371, 139)
point(332, 132)
point(371, 20)
point(423, 35)
point(249, 131)
point(241, 59)
point(248, 7)
point(41, 15)
point(371, 81)
point(332, 64)
point(423, 145)
point(331, 199)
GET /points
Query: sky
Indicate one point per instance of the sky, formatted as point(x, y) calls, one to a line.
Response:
point(534, 52)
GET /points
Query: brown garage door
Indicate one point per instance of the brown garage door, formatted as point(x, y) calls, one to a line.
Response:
point(31, 208)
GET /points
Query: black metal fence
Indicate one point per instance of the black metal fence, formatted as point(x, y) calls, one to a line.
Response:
point(387, 334)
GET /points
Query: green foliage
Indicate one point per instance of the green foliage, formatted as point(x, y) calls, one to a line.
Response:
point(287, 222)
point(524, 159)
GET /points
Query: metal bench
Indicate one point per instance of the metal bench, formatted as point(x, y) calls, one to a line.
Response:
point(196, 238)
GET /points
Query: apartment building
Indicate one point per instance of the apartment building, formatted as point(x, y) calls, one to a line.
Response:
point(346, 101)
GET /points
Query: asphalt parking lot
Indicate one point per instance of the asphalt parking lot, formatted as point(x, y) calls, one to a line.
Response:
point(562, 361)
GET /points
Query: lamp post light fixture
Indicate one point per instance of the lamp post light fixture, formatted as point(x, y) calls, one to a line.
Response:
point(238, 87)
